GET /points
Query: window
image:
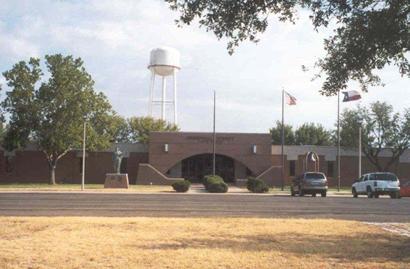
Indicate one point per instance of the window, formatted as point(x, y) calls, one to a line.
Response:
point(314, 176)
point(330, 169)
point(383, 176)
point(292, 168)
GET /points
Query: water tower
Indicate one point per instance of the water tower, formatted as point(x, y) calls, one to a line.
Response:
point(164, 62)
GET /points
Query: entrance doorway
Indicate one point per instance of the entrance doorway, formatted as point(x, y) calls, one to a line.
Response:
point(196, 167)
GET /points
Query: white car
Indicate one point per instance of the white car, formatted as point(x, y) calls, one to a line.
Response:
point(375, 184)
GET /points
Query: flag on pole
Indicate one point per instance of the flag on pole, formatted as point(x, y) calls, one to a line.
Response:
point(351, 96)
point(290, 100)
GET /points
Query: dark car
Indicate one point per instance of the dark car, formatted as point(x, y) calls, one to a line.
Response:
point(309, 183)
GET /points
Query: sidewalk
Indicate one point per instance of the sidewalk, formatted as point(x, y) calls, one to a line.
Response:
point(197, 188)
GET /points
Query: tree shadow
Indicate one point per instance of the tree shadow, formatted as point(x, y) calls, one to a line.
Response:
point(352, 247)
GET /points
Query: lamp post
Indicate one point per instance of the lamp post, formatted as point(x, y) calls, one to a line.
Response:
point(83, 164)
point(338, 141)
point(214, 139)
point(360, 148)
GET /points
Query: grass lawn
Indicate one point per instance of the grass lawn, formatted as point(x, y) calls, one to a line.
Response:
point(85, 242)
point(77, 187)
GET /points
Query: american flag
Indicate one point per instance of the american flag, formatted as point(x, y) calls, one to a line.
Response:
point(290, 100)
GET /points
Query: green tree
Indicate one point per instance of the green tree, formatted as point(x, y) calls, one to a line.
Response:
point(313, 134)
point(382, 129)
point(368, 34)
point(3, 129)
point(121, 130)
point(140, 127)
point(276, 133)
point(51, 113)
point(19, 102)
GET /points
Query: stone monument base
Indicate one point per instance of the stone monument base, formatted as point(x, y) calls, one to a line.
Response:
point(116, 181)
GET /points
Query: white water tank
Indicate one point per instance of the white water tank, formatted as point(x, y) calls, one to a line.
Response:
point(164, 61)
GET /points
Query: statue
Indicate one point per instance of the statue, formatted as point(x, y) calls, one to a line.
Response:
point(116, 179)
point(117, 160)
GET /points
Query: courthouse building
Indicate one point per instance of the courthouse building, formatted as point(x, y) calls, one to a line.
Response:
point(174, 155)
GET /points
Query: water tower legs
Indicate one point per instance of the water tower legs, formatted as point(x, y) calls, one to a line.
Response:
point(164, 97)
point(151, 94)
point(161, 101)
point(175, 97)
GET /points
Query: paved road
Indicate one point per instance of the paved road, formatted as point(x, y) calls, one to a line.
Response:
point(202, 205)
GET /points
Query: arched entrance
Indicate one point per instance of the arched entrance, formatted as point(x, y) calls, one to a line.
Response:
point(194, 168)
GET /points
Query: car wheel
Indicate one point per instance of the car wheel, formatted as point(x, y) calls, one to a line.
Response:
point(313, 194)
point(354, 192)
point(369, 192)
point(323, 194)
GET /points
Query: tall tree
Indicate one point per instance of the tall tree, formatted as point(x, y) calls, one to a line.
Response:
point(121, 130)
point(52, 114)
point(382, 129)
point(276, 133)
point(3, 129)
point(313, 134)
point(140, 127)
point(368, 34)
point(19, 102)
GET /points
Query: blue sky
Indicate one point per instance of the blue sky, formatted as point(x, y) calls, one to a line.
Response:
point(114, 39)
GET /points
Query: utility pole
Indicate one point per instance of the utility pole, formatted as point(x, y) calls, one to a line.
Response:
point(214, 140)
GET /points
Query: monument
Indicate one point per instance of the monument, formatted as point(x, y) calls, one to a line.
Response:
point(116, 180)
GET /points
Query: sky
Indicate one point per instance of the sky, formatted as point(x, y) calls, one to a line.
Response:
point(114, 38)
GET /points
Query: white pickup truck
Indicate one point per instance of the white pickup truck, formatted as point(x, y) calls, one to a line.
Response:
point(375, 184)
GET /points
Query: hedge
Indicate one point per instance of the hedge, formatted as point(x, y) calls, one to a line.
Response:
point(210, 179)
point(215, 184)
point(256, 185)
point(181, 185)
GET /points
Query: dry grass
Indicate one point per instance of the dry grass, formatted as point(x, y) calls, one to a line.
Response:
point(83, 242)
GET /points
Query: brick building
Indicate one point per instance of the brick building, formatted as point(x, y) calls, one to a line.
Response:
point(169, 156)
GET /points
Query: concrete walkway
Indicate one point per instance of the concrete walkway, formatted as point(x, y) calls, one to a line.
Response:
point(199, 188)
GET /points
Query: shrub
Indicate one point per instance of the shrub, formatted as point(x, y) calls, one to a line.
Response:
point(256, 185)
point(210, 179)
point(215, 184)
point(181, 185)
point(220, 187)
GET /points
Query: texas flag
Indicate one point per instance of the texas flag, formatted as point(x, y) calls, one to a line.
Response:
point(351, 96)
point(290, 100)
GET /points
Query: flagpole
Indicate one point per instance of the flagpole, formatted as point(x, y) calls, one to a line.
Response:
point(338, 141)
point(214, 140)
point(283, 140)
